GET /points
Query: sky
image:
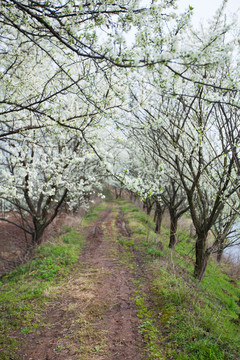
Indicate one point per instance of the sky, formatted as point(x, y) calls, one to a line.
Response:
point(204, 9)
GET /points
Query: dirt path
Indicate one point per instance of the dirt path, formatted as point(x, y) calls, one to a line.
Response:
point(95, 316)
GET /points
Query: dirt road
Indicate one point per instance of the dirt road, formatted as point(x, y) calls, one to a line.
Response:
point(94, 315)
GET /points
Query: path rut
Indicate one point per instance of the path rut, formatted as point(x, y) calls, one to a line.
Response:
point(120, 320)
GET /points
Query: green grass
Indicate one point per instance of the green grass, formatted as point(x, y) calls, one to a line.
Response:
point(148, 328)
point(127, 242)
point(24, 290)
point(180, 318)
point(93, 213)
point(200, 321)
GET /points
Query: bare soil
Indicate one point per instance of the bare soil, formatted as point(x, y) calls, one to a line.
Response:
point(93, 316)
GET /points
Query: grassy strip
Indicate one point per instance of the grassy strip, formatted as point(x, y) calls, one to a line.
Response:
point(148, 328)
point(25, 290)
point(199, 321)
point(93, 213)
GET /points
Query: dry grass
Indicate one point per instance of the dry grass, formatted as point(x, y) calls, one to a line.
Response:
point(232, 267)
point(87, 340)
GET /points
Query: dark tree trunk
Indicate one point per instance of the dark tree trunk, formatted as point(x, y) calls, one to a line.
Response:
point(158, 223)
point(118, 194)
point(149, 206)
point(40, 224)
point(38, 233)
point(202, 256)
point(173, 230)
point(132, 196)
point(158, 216)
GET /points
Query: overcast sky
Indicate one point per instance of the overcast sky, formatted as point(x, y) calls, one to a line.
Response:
point(204, 9)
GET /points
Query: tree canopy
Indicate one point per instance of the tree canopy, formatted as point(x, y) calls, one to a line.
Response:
point(125, 92)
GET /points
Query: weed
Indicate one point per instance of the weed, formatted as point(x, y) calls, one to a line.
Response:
point(154, 252)
point(127, 242)
point(59, 348)
point(97, 348)
point(25, 330)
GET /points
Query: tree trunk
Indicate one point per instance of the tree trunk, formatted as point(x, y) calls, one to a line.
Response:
point(220, 249)
point(149, 206)
point(202, 256)
point(158, 219)
point(131, 195)
point(118, 194)
point(38, 233)
point(173, 231)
